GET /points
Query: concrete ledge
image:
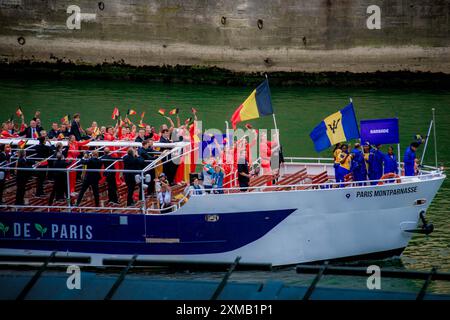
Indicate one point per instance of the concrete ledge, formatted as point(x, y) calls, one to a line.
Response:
point(134, 53)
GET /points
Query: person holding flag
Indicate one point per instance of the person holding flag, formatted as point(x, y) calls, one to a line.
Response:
point(73, 153)
point(358, 164)
point(338, 127)
point(54, 132)
point(31, 132)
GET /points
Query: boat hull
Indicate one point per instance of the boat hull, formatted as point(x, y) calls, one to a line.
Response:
point(278, 228)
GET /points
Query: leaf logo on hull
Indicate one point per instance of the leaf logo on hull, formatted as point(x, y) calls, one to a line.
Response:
point(40, 228)
point(4, 229)
point(211, 218)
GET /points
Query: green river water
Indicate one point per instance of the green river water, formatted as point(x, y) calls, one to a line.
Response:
point(297, 109)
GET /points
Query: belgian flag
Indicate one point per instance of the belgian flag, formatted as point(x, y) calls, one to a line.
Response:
point(257, 104)
point(174, 111)
point(115, 114)
point(65, 119)
point(21, 144)
point(162, 112)
point(131, 112)
point(19, 112)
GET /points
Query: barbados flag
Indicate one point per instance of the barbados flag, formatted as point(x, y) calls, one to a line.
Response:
point(338, 127)
point(257, 104)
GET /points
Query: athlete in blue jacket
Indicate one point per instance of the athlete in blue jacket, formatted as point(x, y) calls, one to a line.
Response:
point(358, 166)
point(390, 162)
point(376, 159)
point(409, 159)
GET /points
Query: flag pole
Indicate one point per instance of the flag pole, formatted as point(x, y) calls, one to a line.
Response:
point(227, 130)
point(426, 142)
point(274, 120)
point(435, 142)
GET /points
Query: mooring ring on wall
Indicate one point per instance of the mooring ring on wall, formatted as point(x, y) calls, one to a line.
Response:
point(21, 40)
point(101, 5)
point(260, 24)
point(223, 20)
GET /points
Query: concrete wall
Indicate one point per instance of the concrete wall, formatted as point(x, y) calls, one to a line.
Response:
point(302, 35)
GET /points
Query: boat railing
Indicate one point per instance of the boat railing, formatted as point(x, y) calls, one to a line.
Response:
point(66, 208)
point(188, 193)
point(332, 184)
point(312, 160)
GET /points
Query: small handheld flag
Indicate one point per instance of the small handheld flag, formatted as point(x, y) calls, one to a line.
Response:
point(194, 110)
point(141, 123)
point(21, 144)
point(19, 112)
point(162, 112)
point(257, 104)
point(115, 114)
point(338, 127)
point(131, 112)
point(174, 111)
point(65, 119)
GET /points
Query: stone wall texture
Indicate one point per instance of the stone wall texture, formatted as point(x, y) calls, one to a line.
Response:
point(302, 35)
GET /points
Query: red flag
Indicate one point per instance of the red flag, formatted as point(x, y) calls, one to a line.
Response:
point(19, 112)
point(162, 112)
point(115, 114)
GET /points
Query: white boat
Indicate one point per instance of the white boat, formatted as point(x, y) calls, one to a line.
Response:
point(305, 217)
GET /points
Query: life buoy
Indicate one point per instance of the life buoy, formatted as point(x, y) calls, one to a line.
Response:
point(390, 175)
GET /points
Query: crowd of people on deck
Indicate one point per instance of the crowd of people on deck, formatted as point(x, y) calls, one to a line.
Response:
point(92, 166)
point(224, 164)
point(370, 163)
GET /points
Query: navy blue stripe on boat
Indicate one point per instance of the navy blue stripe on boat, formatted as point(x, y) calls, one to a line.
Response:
point(136, 233)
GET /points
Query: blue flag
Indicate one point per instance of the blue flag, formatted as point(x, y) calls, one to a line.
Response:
point(339, 127)
point(380, 131)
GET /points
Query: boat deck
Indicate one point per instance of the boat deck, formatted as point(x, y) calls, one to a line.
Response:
point(296, 174)
point(301, 179)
